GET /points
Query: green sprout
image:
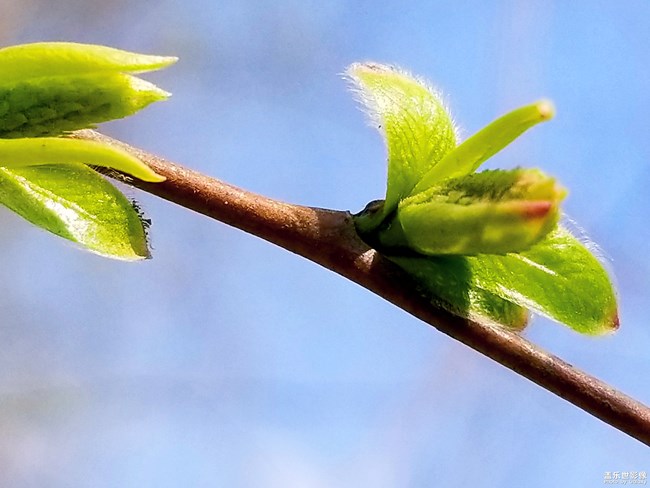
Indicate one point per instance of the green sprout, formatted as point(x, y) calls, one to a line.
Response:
point(488, 245)
point(48, 90)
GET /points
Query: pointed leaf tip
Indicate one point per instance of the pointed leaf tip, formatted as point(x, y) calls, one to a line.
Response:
point(536, 209)
point(615, 322)
point(546, 109)
point(58, 150)
point(470, 154)
point(68, 58)
point(51, 106)
point(558, 277)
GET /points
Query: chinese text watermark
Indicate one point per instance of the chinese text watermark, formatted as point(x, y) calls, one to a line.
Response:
point(625, 477)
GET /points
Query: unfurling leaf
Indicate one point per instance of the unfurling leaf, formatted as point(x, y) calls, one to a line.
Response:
point(484, 245)
point(75, 202)
point(417, 128)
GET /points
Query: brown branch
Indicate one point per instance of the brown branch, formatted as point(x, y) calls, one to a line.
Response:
point(328, 238)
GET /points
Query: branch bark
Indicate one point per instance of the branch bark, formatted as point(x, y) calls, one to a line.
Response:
point(328, 237)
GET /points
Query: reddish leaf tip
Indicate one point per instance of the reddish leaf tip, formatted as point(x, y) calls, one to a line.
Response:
point(616, 323)
point(536, 209)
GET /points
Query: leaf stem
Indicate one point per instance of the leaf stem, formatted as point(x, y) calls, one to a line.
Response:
point(328, 237)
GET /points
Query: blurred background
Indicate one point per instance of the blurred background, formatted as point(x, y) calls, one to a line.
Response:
point(225, 361)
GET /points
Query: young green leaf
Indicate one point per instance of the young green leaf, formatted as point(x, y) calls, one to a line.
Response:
point(469, 155)
point(57, 150)
point(54, 105)
point(447, 281)
point(492, 212)
point(558, 277)
point(48, 89)
point(75, 202)
point(417, 127)
point(47, 59)
point(479, 244)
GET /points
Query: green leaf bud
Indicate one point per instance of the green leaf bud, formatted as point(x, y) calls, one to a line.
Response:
point(49, 106)
point(492, 212)
point(49, 89)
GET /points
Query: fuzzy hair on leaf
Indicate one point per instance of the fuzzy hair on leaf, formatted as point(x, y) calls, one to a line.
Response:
point(367, 103)
point(417, 128)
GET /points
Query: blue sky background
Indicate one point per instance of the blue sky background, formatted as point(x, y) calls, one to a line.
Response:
point(225, 361)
